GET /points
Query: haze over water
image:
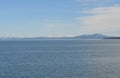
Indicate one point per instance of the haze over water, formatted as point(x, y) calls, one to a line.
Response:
point(59, 59)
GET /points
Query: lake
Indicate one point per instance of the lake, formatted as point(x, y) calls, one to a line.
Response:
point(59, 58)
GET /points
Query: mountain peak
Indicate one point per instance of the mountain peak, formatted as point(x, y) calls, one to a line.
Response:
point(92, 36)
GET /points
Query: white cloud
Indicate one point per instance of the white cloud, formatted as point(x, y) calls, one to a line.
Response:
point(102, 20)
point(98, 3)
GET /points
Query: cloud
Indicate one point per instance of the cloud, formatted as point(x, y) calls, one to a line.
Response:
point(98, 3)
point(102, 20)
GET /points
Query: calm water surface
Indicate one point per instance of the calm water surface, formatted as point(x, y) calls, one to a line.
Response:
point(59, 58)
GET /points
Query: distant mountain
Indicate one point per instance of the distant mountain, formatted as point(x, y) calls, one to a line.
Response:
point(112, 38)
point(93, 36)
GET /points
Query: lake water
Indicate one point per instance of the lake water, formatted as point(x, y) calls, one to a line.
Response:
point(59, 58)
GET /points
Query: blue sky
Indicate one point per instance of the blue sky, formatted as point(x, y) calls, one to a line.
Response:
point(32, 18)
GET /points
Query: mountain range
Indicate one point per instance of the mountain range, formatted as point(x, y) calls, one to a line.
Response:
point(91, 36)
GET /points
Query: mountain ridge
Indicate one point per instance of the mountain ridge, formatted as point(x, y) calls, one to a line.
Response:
point(91, 36)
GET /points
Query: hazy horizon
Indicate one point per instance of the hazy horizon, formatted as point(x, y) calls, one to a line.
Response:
point(59, 18)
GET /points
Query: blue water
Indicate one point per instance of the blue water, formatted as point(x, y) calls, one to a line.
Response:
point(59, 58)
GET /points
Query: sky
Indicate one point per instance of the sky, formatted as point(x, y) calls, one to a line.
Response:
point(59, 18)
